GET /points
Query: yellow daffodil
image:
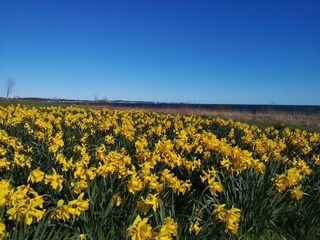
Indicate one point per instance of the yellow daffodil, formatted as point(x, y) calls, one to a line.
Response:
point(116, 199)
point(230, 217)
point(296, 193)
point(140, 230)
point(168, 230)
point(55, 180)
point(2, 229)
point(36, 176)
point(214, 187)
point(195, 228)
point(152, 200)
point(26, 205)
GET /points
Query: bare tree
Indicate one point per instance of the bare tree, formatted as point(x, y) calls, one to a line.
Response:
point(10, 85)
point(96, 98)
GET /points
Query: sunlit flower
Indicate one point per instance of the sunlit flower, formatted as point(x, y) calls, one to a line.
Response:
point(230, 217)
point(61, 212)
point(296, 193)
point(4, 163)
point(5, 189)
point(152, 200)
point(2, 229)
point(195, 228)
point(25, 205)
point(55, 180)
point(140, 230)
point(214, 187)
point(134, 184)
point(116, 199)
point(36, 176)
point(168, 230)
point(72, 209)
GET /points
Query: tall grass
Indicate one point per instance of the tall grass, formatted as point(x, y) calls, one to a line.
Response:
point(264, 118)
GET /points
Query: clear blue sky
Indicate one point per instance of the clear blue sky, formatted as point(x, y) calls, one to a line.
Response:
point(242, 52)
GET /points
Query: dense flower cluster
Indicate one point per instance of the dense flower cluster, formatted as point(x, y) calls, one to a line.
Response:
point(160, 175)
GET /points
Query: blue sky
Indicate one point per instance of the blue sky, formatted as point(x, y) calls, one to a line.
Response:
point(238, 52)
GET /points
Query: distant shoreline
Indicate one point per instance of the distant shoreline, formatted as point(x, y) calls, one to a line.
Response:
point(253, 108)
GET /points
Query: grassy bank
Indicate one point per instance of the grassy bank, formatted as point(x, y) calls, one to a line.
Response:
point(5, 102)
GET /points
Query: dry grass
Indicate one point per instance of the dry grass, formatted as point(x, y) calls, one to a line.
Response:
point(277, 118)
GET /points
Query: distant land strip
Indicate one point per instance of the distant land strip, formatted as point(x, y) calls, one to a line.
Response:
point(253, 108)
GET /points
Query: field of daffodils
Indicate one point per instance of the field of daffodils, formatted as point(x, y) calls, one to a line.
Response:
point(80, 173)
